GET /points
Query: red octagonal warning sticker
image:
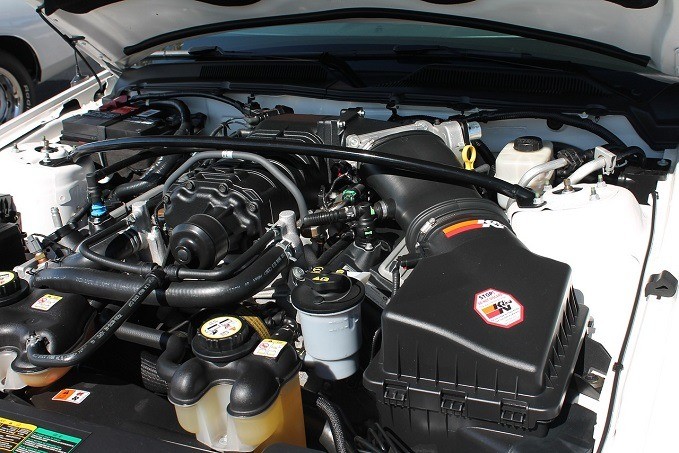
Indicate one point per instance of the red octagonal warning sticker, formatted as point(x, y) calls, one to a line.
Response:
point(498, 308)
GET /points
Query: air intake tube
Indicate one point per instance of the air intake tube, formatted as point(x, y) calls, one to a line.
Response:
point(425, 208)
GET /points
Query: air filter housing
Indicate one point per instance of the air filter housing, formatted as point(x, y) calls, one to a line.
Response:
point(483, 335)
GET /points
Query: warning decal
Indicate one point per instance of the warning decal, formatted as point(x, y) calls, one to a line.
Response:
point(74, 396)
point(26, 438)
point(498, 308)
point(269, 348)
point(46, 302)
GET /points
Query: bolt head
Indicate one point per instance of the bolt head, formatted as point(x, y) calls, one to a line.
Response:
point(252, 207)
point(298, 273)
point(222, 188)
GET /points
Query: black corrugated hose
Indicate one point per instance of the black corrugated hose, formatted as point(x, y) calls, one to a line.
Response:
point(335, 422)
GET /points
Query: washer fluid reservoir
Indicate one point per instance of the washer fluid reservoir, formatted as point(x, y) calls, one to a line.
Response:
point(519, 156)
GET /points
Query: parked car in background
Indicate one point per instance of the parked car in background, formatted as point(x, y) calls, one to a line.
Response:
point(30, 52)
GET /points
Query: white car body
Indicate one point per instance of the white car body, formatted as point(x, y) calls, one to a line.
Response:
point(644, 408)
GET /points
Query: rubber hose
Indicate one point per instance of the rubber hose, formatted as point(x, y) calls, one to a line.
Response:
point(336, 427)
point(163, 165)
point(568, 120)
point(228, 270)
point(485, 152)
point(334, 250)
point(241, 107)
point(173, 351)
point(112, 263)
point(421, 168)
point(142, 335)
point(187, 294)
point(324, 218)
point(36, 348)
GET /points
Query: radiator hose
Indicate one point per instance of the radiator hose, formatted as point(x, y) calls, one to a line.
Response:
point(38, 354)
point(186, 294)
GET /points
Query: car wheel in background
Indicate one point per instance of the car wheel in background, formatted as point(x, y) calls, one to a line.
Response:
point(17, 89)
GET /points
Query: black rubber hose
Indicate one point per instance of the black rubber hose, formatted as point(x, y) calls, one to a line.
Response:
point(228, 270)
point(112, 263)
point(168, 361)
point(395, 279)
point(334, 250)
point(163, 165)
point(569, 120)
point(241, 107)
point(325, 218)
point(420, 168)
point(335, 422)
point(485, 152)
point(172, 345)
point(187, 294)
point(36, 349)
point(142, 335)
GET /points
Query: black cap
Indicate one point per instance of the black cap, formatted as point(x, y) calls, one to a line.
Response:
point(528, 144)
point(327, 293)
point(12, 288)
point(223, 338)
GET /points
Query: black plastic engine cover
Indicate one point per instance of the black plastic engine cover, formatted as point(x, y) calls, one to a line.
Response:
point(485, 335)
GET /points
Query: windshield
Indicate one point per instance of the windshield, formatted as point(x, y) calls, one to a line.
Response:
point(359, 37)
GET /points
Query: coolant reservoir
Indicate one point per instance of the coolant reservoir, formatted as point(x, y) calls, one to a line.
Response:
point(66, 320)
point(38, 179)
point(519, 156)
point(240, 392)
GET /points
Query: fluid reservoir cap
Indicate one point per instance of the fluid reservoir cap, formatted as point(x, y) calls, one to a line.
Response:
point(12, 288)
point(222, 337)
point(327, 293)
point(528, 144)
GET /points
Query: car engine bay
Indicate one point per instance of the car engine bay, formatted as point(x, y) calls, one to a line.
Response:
point(246, 273)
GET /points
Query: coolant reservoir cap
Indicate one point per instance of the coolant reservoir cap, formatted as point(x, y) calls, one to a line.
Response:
point(327, 293)
point(528, 144)
point(12, 288)
point(222, 337)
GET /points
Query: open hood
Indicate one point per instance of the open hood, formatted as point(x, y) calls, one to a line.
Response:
point(120, 32)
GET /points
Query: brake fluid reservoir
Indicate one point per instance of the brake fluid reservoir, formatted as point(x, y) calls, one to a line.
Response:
point(519, 156)
point(329, 310)
point(240, 392)
point(38, 178)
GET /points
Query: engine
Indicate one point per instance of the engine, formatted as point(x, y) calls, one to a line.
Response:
point(325, 281)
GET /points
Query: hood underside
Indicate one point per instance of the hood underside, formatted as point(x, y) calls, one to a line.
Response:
point(120, 32)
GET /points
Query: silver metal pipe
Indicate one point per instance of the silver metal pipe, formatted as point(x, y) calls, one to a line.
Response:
point(536, 171)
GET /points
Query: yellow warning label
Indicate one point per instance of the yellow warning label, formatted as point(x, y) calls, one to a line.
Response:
point(21, 437)
point(13, 433)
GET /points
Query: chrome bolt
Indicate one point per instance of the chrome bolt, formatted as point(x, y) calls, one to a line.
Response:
point(593, 196)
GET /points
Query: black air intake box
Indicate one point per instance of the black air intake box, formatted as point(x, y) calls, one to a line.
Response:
point(479, 344)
